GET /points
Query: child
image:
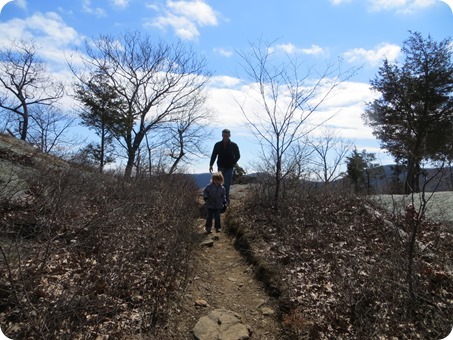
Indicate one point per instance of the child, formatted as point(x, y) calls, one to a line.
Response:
point(215, 197)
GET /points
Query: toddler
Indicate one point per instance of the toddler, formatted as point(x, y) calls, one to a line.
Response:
point(215, 197)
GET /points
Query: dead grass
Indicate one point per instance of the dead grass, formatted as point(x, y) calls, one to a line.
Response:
point(340, 265)
point(85, 255)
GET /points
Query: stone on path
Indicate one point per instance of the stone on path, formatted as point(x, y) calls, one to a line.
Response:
point(267, 311)
point(208, 242)
point(201, 303)
point(221, 324)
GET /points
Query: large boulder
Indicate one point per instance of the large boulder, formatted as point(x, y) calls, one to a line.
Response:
point(221, 324)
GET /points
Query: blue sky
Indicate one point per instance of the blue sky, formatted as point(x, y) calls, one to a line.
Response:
point(361, 32)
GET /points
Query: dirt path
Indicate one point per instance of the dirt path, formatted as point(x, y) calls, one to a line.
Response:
point(222, 279)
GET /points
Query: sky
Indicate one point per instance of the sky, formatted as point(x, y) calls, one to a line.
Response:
point(361, 33)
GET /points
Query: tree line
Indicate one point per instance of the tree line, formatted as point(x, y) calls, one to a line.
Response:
point(146, 101)
point(135, 94)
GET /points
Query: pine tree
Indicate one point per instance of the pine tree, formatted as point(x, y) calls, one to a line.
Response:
point(413, 118)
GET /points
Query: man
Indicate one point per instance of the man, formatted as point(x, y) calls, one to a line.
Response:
point(227, 154)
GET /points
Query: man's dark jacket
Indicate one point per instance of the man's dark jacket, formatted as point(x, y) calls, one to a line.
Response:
point(228, 154)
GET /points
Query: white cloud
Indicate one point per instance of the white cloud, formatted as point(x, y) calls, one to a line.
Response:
point(152, 6)
point(185, 18)
point(339, 2)
point(291, 48)
point(341, 112)
point(224, 81)
point(47, 30)
point(223, 52)
point(314, 49)
point(228, 113)
point(183, 27)
point(287, 48)
point(121, 3)
point(400, 6)
point(86, 7)
point(197, 11)
point(373, 57)
point(380, 5)
point(21, 4)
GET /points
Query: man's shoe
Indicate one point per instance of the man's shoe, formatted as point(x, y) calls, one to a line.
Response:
point(217, 230)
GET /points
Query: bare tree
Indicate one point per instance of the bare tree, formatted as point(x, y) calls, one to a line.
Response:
point(155, 81)
point(330, 151)
point(25, 83)
point(415, 215)
point(186, 135)
point(48, 130)
point(284, 97)
point(179, 142)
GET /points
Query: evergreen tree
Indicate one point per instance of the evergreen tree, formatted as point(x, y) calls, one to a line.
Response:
point(413, 118)
point(101, 107)
point(358, 168)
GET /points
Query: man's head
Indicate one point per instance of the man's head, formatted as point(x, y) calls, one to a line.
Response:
point(226, 134)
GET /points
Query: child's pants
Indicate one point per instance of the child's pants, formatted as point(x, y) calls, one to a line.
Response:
point(213, 213)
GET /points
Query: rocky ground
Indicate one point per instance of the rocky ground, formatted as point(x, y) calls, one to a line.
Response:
point(223, 299)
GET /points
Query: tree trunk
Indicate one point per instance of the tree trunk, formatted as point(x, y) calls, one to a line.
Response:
point(278, 180)
point(414, 224)
point(412, 184)
point(101, 163)
point(180, 154)
point(129, 167)
point(409, 184)
point(24, 129)
point(174, 166)
point(132, 152)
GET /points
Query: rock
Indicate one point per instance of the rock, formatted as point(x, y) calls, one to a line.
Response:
point(207, 242)
point(201, 303)
point(259, 303)
point(267, 311)
point(221, 324)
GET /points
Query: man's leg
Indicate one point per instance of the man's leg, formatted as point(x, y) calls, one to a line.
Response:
point(228, 178)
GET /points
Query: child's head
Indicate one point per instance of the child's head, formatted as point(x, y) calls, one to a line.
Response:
point(217, 178)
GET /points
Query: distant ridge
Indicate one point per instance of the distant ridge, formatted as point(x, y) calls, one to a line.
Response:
point(203, 179)
point(380, 179)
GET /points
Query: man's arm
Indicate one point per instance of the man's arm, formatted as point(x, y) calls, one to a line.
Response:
point(237, 154)
point(213, 157)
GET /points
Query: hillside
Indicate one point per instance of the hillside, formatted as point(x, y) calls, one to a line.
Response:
point(92, 256)
point(18, 161)
point(339, 267)
point(382, 178)
point(84, 255)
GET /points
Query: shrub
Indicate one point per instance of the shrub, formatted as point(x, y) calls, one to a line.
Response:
point(340, 265)
point(90, 255)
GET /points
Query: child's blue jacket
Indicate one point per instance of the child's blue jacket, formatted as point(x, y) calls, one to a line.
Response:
point(214, 196)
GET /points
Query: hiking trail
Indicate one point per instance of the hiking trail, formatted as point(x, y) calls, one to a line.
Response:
point(222, 285)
